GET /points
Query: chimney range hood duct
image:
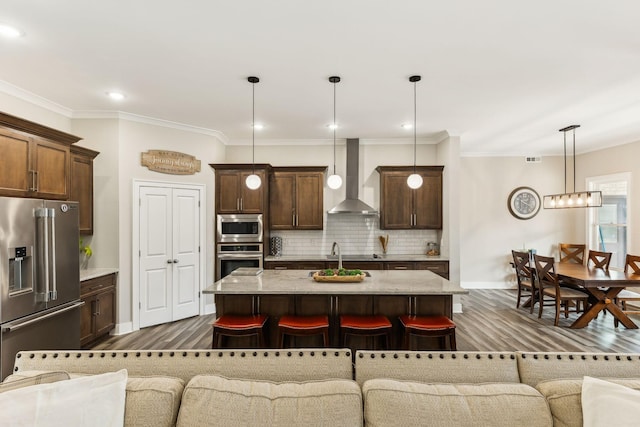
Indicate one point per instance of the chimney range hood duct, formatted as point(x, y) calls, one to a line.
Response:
point(352, 205)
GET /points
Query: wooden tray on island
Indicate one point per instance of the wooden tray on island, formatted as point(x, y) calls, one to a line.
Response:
point(338, 279)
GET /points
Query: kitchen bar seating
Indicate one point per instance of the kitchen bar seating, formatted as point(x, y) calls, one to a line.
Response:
point(428, 326)
point(366, 326)
point(239, 326)
point(303, 326)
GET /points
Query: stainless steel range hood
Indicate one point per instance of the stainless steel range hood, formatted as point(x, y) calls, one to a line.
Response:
point(352, 205)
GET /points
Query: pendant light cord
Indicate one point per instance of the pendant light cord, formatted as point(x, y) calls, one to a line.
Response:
point(334, 128)
point(414, 126)
point(574, 160)
point(253, 128)
point(565, 161)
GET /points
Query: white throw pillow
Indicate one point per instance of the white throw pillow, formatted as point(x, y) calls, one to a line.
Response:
point(608, 404)
point(96, 400)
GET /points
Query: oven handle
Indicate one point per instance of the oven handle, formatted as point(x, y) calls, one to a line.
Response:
point(240, 256)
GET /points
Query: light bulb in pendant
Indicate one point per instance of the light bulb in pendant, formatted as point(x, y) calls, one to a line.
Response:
point(253, 182)
point(334, 181)
point(414, 181)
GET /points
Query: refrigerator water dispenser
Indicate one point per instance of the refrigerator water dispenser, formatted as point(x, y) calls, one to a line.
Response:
point(20, 270)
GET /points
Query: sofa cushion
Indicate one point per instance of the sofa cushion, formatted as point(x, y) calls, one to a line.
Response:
point(97, 401)
point(607, 403)
point(564, 398)
point(29, 378)
point(152, 401)
point(220, 401)
point(437, 367)
point(537, 367)
point(403, 403)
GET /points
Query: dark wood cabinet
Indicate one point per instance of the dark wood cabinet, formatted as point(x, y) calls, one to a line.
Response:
point(404, 208)
point(82, 185)
point(295, 265)
point(296, 198)
point(34, 159)
point(98, 314)
point(232, 193)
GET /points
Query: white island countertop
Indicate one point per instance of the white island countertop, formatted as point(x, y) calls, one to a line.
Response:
point(297, 282)
point(92, 273)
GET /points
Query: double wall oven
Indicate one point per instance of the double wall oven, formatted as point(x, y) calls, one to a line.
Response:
point(238, 242)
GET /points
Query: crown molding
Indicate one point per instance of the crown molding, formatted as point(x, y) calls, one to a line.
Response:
point(121, 115)
point(32, 98)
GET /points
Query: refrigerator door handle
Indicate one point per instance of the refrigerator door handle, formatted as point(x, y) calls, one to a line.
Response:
point(42, 239)
point(14, 326)
point(52, 247)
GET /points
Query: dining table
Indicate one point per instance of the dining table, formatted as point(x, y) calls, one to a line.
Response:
point(602, 285)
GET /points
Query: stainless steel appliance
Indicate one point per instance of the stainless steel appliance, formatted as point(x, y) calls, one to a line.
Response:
point(39, 277)
point(232, 256)
point(235, 228)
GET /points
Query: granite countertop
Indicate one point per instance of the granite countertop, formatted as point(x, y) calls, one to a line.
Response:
point(372, 257)
point(92, 273)
point(381, 282)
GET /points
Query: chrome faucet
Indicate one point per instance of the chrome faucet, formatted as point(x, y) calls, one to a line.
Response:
point(333, 252)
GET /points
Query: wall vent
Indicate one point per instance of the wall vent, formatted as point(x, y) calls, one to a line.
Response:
point(533, 159)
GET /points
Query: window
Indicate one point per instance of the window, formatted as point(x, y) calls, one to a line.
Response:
point(608, 224)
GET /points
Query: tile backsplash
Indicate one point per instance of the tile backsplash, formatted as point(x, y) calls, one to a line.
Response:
point(356, 235)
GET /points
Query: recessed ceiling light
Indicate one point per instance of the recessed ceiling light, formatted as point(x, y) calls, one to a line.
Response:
point(10, 32)
point(116, 96)
point(333, 126)
point(258, 126)
point(406, 126)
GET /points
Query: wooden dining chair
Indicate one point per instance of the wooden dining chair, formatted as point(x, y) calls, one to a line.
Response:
point(599, 259)
point(524, 278)
point(631, 266)
point(571, 252)
point(549, 286)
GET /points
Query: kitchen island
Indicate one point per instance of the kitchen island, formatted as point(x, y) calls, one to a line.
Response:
point(280, 292)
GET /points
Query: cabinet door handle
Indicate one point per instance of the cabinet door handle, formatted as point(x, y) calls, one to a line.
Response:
point(280, 268)
point(98, 307)
point(241, 204)
point(169, 261)
point(293, 220)
point(400, 268)
point(237, 203)
point(33, 181)
point(175, 261)
point(36, 174)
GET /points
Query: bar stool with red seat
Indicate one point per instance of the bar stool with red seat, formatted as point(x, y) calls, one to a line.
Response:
point(303, 326)
point(428, 326)
point(232, 325)
point(365, 326)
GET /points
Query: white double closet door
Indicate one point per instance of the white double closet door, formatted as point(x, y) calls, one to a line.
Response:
point(169, 226)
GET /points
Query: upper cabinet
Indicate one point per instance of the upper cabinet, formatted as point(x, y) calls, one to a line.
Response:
point(82, 185)
point(35, 159)
point(296, 198)
point(404, 208)
point(232, 193)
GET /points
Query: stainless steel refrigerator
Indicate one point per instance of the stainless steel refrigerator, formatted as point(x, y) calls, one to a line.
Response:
point(39, 277)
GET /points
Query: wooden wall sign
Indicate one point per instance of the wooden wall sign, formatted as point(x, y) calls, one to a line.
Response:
point(171, 162)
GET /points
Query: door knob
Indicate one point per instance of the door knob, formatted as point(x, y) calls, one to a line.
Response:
point(169, 261)
point(175, 261)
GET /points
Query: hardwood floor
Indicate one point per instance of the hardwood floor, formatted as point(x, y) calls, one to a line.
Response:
point(490, 322)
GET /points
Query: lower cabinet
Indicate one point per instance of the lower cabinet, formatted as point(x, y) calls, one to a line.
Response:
point(98, 314)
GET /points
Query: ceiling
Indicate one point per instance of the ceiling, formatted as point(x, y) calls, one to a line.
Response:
point(503, 75)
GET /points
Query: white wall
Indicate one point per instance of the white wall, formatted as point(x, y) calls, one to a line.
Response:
point(488, 232)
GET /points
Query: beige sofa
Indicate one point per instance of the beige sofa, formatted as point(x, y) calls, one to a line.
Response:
point(324, 387)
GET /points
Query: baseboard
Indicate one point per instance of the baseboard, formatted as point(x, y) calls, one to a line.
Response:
point(209, 309)
point(487, 285)
point(122, 328)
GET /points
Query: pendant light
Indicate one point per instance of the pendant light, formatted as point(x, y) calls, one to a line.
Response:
point(334, 181)
point(581, 199)
point(253, 181)
point(414, 180)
